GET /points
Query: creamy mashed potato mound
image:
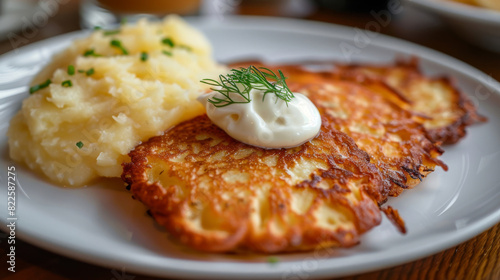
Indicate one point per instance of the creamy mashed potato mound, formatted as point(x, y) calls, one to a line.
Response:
point(77, 133)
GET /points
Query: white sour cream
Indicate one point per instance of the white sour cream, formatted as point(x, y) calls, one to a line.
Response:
point(266, 122)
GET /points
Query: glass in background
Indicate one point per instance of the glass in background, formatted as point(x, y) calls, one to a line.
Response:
point(281, 8)
point(353, 5)
point(15, 13)
point(106, 13)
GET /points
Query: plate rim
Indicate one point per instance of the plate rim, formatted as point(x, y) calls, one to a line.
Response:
point(464, 11)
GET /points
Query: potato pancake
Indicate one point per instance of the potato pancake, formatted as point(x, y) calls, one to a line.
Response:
point(215, 193)
point(444, 110)
point(374, 115)
point(449, 111)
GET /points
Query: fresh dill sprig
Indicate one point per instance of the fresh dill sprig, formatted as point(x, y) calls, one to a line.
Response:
point(241, 81)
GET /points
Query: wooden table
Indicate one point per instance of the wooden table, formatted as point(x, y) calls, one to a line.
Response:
point(478, 258)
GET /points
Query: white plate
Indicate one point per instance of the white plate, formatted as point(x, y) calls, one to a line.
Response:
point(102, 225)
point(479, 26)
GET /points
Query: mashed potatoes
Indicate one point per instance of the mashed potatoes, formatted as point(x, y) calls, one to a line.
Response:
point(128, 85)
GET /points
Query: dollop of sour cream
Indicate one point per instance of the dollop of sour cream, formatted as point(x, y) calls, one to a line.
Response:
point(266, 121)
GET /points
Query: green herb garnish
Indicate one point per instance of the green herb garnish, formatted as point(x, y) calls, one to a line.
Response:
point(40, 86)
point(241, 81)
point(168, 42)
point(79, 144)
point(71, 70)
point(111, 32)
point(90, 52)
point(123, 20)
point(166, 53)
point(273, 260)
point(118, 44)
point(187, 48)
point(144, 56)
point(97, 27)
point(87, 72)
point(67, 83)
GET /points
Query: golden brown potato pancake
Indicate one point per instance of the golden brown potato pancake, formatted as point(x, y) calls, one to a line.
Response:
point(444, 110)
point(373, 115)
point(449, 111)
point(215, 193)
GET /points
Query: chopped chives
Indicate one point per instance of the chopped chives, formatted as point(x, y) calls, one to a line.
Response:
point(166, 53)
point(90, 52)
point(187, 48)
point(168, 42)
point(79, 144)
point(97, 27)
point(111, 32)
point(118, 44)
point(67, 83)
point(71, 70)
point(89, 72)
point(40, 86)
point(144, 56)
point(272, 260)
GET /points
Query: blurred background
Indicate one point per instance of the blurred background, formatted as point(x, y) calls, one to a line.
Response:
point(468, 30)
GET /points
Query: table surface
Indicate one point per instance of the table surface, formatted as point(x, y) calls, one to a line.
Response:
point(478, 258)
